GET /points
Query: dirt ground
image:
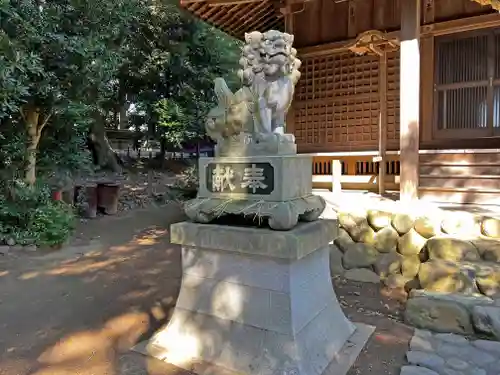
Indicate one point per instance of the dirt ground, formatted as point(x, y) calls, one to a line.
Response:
point(79, 310)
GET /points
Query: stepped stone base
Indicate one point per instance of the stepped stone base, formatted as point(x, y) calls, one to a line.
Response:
point(256, 301)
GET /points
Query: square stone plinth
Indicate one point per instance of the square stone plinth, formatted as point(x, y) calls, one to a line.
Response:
point(258, 302)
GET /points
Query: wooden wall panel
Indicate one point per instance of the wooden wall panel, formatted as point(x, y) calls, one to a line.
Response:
point(324, 21)
point(452, 9)
point(364, 16)
point(333, 27)
point(337, 106)
point(307, 29)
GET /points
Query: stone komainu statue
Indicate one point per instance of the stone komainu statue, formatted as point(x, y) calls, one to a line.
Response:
point(269, 72)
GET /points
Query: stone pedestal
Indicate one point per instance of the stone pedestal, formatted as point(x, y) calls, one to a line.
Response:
point(277, 188)
point(257, 302)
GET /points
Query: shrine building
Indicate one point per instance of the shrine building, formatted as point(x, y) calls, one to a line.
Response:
point(395, 95)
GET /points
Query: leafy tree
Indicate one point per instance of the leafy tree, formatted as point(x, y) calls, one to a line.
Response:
point(172, 61)
point(57, 56)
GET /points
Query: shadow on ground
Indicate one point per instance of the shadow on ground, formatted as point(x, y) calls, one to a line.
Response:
point(79, 311)
point(74, 311)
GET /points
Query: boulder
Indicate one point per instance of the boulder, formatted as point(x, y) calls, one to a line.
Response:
point(354, 223)
point(445, 277)
point(386, 240)
point(489, 249)
point(452, 249)
point(434, 270)
point(379, 219)
point(395, 281)
point(398, 281)
point(490, 227)
point(467, 301)
point(359, 255)
point(363, 275)
point(343, 240)
point(489, 285)
point(416, 370)
point(487, 279)
point(486, 319)
point(461, 224)
point(365, 234)
point(402, 222)
point(387, 264)
point(336, 261)
point(438, 315)
point(412, 284)
point(411, 243)
point(425, 359)
point(428, 227)
point(410, 265)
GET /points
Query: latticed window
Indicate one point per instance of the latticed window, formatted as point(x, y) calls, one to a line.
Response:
point(467, 85)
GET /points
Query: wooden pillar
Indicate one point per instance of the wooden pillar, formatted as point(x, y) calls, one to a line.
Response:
point(382, 131)
point(409, 99)
point(351, 20)
point(336, 177)
point(288, 14)
point(290, 116)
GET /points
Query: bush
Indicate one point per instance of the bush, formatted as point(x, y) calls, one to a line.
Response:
point(188, 179)
point(186, 186)
point(28, 215)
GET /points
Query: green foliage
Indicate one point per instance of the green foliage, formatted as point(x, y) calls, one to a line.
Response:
point(12, 154)
point(67, 49)
point(53, 224)
point(173, 122)
point(169, 72)
point(186, 186)
point(78, 63)
point(63, 151)
point(28, 215)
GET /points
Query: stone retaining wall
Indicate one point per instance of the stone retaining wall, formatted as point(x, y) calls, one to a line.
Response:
point(443, 253)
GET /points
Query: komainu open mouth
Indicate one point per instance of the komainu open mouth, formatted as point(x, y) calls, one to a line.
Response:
point(269, 56)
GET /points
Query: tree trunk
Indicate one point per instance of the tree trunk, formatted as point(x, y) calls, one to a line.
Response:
point(123, 124)
point(124, 105)
point(102, 153)
point(32, 117)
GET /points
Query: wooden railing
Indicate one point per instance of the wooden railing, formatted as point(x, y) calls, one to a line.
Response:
point(354, 170)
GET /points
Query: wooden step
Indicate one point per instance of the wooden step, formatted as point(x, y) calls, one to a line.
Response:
point(458, 196)
point(491, 183)
point(459, 170)
point(460, 158)
point(359, 182)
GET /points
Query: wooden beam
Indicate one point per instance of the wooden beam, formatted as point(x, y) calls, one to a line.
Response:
point(218, 3)
point(461, 25)
point(382, 135)
point(440, 28)
point(254, 20)
point(231, 16)
point(187, 2)
point(409, 99)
